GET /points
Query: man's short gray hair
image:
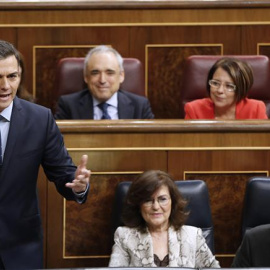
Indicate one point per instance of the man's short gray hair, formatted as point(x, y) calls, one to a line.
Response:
point(103, 49)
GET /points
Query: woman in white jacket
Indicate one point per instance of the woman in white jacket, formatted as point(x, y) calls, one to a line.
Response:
point(154, 234)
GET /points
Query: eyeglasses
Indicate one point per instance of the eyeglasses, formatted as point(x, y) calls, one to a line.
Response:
point(162, 201)
point(229, 87)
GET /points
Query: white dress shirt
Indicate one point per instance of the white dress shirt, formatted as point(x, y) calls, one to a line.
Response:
point(4, 126)
point(112, 109)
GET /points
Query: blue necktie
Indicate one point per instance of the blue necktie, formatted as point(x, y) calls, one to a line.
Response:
point(1, 157)
point(104, 106)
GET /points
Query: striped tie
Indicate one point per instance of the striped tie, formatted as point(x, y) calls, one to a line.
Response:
point(104, 106)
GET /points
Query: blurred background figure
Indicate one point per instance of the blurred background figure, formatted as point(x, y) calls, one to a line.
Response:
point(154, 233)
point(228, 83)
point(22, 92)
point(255, 247)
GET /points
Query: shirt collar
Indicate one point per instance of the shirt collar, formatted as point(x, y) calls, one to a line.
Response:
point(113, 101)
point(6, 113)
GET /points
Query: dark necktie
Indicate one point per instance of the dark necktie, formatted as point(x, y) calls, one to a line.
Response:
point(1, 158)
point(104, 106)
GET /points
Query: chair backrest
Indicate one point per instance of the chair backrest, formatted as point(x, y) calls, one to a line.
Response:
point(196, 71)
point(194, 191)
point(70, 79)
point(256, 203)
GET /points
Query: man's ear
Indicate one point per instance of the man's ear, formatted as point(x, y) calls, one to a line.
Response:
point(122, 76)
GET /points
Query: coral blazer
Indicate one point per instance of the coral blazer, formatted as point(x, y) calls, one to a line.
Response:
point(245, 109)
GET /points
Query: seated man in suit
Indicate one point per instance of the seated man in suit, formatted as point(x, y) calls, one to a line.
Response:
point(103, 74)
point(255, 248)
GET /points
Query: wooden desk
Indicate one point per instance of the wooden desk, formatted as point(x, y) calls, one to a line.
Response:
point(224, 154)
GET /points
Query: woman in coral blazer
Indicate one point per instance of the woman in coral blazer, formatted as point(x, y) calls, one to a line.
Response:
point(228, 83)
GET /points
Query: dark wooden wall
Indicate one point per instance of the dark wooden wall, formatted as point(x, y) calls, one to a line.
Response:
point(224, 154)
point(161, 35)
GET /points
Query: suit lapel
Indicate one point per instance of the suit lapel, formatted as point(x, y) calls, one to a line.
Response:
point(15, 128)
point(145, 249)
point(175, 258)
point(85, 109)
point(125, 107)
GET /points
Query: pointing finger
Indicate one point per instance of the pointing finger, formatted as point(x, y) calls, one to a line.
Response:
point(83, 161)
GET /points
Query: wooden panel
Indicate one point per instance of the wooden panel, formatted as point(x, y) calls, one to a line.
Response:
point(130, 27)
point(241, 27)
point(162, 48)
point(224, 154)
point(42, 188)
point(165, 71)
point(84, 223)
point(88, 12)
point(172, 134)
point(81, 234)
point(164, 67)
point(48, 45)
point(46, 58)
point(264, 48)
point(121, 159)
point(9, 34)
point(226, 173)
point(166, 49)
point(252, 36)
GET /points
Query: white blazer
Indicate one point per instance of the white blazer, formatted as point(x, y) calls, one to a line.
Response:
point(187, 248)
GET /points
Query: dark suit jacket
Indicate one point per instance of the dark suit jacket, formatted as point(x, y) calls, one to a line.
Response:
point(255, 248)
point(79, 105)
point(33, 139)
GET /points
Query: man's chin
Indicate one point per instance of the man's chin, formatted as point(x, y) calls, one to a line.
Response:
point(103, 98)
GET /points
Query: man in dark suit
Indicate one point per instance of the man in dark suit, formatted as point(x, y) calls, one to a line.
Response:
point(103, 74)
point(255, 248)
point(29, 137)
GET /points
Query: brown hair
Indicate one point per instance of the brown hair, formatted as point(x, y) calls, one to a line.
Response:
point(240, 72)
point(6, 50)
point(142, 189)
point(22, 92)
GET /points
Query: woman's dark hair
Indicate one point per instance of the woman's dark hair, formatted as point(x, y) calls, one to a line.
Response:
point(142, 189)
point(240, 72)
point(22, 92)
